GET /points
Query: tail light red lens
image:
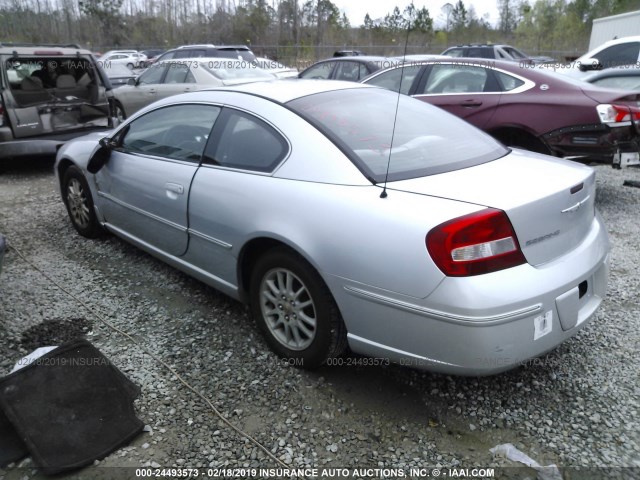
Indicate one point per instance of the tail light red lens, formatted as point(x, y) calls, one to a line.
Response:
point(475, 244)
point(617, 113)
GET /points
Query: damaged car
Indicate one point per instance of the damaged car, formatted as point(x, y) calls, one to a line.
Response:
point(413, 238)
point(50, 94)
point(524, 106)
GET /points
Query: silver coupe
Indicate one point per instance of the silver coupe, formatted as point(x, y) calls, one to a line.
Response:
point(349, 216)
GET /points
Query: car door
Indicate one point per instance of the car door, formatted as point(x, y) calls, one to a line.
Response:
point(145, 91)
point(468, 91)
point(177, 79)
point(242, 147)
point(145, 184)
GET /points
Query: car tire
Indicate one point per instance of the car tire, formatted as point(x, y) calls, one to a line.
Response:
point(121, 115)
point(295, 310)
point(130, 66)
point(79, 203)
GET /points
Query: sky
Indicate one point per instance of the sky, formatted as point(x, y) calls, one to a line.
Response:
point(357, 9)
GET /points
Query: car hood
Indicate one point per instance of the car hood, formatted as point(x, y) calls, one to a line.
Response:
point(550, 202)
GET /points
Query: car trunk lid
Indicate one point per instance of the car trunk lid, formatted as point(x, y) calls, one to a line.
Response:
point(550, 202)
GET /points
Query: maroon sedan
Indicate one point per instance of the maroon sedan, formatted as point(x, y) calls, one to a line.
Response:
point(523, 106)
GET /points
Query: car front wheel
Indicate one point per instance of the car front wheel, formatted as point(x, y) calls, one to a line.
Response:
point(77, 198)
point(295, 310)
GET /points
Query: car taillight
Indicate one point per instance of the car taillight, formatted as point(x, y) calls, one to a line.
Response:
point(474, 244)
point(617, 113)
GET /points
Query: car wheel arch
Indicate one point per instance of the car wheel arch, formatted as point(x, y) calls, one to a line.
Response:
point(522, 136)
point(256, 247)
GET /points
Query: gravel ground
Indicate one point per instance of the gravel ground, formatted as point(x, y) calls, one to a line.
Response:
point(576, 407)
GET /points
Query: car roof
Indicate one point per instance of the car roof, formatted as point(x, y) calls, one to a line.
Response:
point(45, 50)
point(285, 90)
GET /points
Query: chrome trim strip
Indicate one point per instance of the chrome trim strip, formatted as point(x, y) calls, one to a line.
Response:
point(143, 212)
point(207, 238)
point(577, 206)
point(444, 316)
point(171, 259)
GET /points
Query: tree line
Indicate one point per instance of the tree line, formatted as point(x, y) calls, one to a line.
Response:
point(293, 30)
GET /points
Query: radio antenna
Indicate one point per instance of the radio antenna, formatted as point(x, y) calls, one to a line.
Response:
point(411, 9)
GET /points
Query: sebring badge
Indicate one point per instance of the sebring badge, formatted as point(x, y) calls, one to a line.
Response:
point(533, 241)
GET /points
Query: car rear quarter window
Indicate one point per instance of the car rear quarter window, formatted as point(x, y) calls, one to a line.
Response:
point(420, 140)
point(178, 132)
point(245, 142)
point(508, 82)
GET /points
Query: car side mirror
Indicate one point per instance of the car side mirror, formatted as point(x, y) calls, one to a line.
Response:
point(101, 156)
point(132, 82)
point(590, 64)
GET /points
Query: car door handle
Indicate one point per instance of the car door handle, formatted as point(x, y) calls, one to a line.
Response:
point(471, 103)
point(174, 188)
point(187, 89)
point(152, 90)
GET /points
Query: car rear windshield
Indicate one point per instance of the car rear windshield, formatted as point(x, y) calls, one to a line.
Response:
point(425, 141)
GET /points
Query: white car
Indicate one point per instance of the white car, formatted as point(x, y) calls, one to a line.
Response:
point(130, 60)
point(614, 53)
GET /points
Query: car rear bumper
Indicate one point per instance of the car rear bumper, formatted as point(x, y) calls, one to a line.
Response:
point(597, 142)
point(485, 324)
point(43, 145)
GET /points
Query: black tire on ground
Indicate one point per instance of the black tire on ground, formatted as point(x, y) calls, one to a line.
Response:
point(79, 203)
point(130, 66)
point(295, 310)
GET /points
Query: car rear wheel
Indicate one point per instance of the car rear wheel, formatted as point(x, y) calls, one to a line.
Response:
point(295, 310)
point(130, 66)
point(77, 198)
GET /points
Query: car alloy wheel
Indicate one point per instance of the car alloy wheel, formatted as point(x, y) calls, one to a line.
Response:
point(77, 201)
point(77, 198)
point(288, 309)
point(295, 310)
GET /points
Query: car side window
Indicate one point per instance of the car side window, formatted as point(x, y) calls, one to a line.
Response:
point(391, 79)
point(179, 73)
point(243, 141)
point(348, 71)
point(178, 132)
point(507, 82)
point(456, 78)
point(480, 52)
point(320, 71)
point(152, 75)
point(455, 52)
point(623, 54)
